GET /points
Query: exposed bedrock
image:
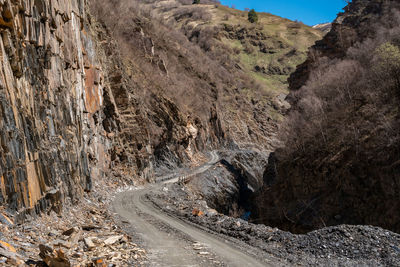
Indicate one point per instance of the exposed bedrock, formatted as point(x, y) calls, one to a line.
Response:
point(51, 97)
point(229, 185)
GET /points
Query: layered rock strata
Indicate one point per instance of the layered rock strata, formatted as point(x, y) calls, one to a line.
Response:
point(52, 85)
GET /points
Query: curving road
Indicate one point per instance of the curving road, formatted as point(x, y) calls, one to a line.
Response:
point(173, 242)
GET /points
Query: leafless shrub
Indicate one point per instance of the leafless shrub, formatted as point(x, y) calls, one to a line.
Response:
point(248, 48)
point(294, 25)
point(236, 50)
point(204, 37)
point(347, 100)
point(194, 12)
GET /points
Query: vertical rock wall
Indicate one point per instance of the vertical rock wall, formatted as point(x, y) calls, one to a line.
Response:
point(51, 98)
point(69, 111)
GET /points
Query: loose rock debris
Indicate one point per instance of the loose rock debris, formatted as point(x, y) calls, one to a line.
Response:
point(343, 245)
point(83, 235)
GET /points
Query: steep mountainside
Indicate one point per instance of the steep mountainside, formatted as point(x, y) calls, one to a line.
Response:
point(353, 26)
point(87, 96)
point(340, 162)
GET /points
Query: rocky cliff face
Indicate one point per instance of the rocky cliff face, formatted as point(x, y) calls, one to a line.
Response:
point(71, 113)
point(340, 162)
point(53, 144)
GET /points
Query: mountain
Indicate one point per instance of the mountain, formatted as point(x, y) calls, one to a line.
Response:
point(339, 163)
point(323, 27)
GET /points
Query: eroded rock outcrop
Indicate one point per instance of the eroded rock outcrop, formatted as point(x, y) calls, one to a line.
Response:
point(52, 145)
point(229, 185)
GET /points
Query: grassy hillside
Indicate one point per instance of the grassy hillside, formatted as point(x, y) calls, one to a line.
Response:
point(267, 51)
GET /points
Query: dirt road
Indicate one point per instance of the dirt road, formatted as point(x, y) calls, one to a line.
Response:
point(173, 242)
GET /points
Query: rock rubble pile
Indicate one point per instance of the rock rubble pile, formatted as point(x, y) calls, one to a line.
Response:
point(81, 235)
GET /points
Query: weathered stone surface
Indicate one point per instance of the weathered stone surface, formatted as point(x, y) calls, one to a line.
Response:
point(7, 246)
point(89, 242)
point(229, 185)
point(113, 239)
point(50, 104)
point(52, 257)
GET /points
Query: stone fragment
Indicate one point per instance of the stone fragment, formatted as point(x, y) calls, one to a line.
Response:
point(52, 257)
point(5, 220)
point(75, 237)
point(12, 257)
point(99, 262)
point(53, 233)
point(61, 243)
point(89, 242)
point(197, 246)
point(69, 231)
point(212, 212)
point(197, 212)
point(7, 246)
point(44, 251)
point(111, 240)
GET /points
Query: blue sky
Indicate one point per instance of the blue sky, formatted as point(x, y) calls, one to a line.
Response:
point(310, 12)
